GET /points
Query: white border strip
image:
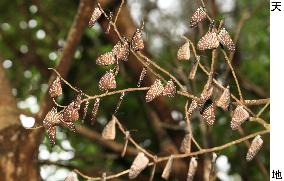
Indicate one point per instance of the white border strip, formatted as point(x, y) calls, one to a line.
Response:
point(277, 89)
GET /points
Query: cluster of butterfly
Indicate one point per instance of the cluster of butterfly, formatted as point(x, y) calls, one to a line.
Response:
point(206, 42)
point(211, 40)
point(208, 111)
point(207, 108)
point(157, 89)
point(213, 37)
point(141, 161)
point(70, 113)
point(66, 116)
point(119, 52)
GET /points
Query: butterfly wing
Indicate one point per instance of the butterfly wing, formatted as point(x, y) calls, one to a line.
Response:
point(208, 41)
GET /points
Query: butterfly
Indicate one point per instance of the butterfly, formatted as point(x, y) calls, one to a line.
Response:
point(254, 148)
point(224, 100)
point(107, 81)
point(109, 130)
point(121, 50)
point(55, 89)
point(239, 116)
point(52, 134)
point(139, 164)
point(198, 16)
point(212, 40)
point(208, 41)
point(155, 90)
point(107, 58)
point(169, 89)
point(184, 52)
point(225, 39)
point(95, 16)
point(208, 114)
point(137, 41)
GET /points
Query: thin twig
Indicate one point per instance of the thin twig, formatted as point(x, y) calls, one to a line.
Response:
point(161, 69)
point(234, 74)
point(179, 156)
point(118, 12)
point(217, 148)
point(211, 73)
point(182, 93)
point(58, 105)
point(255, 102)
point(260, 121)
point(260, 164)
point(196, 143)
point(186, 115)
point(263, 109)
point(189, 126)
point(99, 178)
point(66, 82)
point(116, 92)
point(38, 127)
point(133, 141)
point(202, 3)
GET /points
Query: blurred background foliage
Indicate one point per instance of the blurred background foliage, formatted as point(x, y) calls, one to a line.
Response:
point(32, 34)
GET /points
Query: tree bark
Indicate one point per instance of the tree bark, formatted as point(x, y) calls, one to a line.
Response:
point(18, 146)
point(18, 150)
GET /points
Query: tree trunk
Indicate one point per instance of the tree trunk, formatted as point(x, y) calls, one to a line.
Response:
point(18, 151)
point(18, 146)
